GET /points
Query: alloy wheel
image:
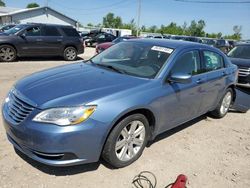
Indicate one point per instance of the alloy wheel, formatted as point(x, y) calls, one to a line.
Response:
point(130, 140)
point(7, 54)
point(226, 102)
point(70, 54)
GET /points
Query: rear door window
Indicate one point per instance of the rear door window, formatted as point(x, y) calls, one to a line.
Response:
point(212, 61)
point(70, 32)
point(51, 31)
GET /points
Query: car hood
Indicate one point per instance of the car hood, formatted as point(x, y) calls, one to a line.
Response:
point(74, 84)
point(105, 45)
point(241, 62)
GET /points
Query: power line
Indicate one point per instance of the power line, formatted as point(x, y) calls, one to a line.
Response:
point(86, 13)
point(89, 9)
point(214, 2)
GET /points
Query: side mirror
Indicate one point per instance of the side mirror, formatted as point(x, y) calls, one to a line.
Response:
point(180, 78)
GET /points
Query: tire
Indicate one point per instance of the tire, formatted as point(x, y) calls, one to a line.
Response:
point(70, 53)
point(122, 146)
point(224, 104)
point(7, 53)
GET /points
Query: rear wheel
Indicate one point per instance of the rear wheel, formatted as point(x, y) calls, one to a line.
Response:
point(224, 104)
point(7, 53)
point(126, 141)
point(70, 53)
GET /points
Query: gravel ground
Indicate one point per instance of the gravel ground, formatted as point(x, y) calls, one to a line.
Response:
point(212, 153)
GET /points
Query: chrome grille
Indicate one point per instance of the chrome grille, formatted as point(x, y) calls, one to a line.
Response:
point(244, 71)
point(18, 109)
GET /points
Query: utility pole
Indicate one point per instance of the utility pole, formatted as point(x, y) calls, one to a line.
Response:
point(138, 18)
point(46, 3)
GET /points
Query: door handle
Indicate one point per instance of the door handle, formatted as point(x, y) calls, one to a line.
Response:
point(224, 73)
point(59, 40)
point(39, 40)
point(199, 81)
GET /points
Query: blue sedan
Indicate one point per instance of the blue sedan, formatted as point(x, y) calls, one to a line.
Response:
point(113, 104)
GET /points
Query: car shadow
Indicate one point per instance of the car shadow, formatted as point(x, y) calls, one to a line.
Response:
point(45, 59)
point(177, 129)
point(63, 171)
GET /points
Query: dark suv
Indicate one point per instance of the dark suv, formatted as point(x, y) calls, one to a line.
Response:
point(240, 56)
point(40, 40)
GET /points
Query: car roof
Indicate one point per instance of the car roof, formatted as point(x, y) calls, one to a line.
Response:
point(172, 43)
point(47, 24)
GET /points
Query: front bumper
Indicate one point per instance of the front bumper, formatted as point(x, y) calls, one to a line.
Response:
point(54, 145)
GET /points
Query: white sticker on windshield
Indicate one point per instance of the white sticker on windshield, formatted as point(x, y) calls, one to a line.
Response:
point(162, 49)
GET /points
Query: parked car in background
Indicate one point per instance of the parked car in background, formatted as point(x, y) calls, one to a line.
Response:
point(240, 56)
point(232, 44)
point(36, 40)
point(100, 38)
point(91, 34)
point(192, 39)
point(177, 37)
point(103, 46)
point(7, 27)
point(223, 45)
point(113, 104)
point(208, 41)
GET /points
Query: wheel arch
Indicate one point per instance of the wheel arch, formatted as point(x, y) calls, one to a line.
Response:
point(144, 111)
point(70, 45)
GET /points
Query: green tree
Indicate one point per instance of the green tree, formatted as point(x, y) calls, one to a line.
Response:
point(2, 4)
point(211, 35)
point(143, 28)
point(172, 28)
point(185, 29)
point(131, 25)
point(111, 21)
point(153, 29)
point(98, 25)
point(197, 28)
point(32, 5)
point(90, 25)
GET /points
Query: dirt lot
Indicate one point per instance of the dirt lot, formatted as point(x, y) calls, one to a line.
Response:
point(212, 153)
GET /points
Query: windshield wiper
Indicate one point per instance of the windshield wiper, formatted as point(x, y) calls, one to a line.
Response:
point(112, 68)
point(90, 60)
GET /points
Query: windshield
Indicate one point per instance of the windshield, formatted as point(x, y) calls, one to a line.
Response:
point(134, 58)
point(15, 29)
point(240, 52)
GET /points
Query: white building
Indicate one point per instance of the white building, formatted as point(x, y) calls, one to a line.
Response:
point(34, 15)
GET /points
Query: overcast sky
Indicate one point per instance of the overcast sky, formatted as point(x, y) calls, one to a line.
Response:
point(219, 17)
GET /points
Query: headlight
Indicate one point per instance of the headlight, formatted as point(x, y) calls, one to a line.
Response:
point(65, 116)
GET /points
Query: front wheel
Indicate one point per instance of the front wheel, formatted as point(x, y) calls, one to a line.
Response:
point(224, 104)
point(7, 53)
point(70, 54)
point(126, 141)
